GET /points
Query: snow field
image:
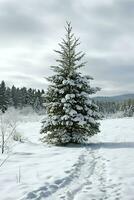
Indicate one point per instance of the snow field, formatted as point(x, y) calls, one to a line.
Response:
point(98, 171)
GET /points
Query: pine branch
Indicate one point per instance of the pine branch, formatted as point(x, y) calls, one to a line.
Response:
point(80, 65)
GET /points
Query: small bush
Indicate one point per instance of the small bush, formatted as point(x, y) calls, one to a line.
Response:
point(17, 137)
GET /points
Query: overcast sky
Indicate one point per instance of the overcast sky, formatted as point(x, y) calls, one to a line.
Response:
point(31, 29)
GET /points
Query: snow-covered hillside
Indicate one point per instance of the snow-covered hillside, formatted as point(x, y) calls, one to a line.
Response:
point(104, 169)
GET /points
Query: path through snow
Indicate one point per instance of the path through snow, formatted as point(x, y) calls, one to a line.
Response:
point(87, 180)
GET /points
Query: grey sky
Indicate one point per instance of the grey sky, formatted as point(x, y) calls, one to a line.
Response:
point(31, 29)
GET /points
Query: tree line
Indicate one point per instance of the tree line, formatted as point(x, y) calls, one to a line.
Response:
point(20, 97)
point(24, 97)
point(126, 107)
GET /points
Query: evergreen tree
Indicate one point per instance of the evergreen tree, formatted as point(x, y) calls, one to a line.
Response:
point(19, 98)
point(9, 96)
point(39, 95)
point(37, 105)
point(14, 96)
point(3, 97)
point(30, 97)
point(23, 93)
point(71, 115)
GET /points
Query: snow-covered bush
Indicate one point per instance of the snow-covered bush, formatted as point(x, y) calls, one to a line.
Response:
point(17, 137)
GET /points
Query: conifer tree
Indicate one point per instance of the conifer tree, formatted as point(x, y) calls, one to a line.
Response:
point(9, 96)
point(23, 94)
point(30, 97)
point(37, 105)
point(14, 96)
point(3, 98)
point(71, 115)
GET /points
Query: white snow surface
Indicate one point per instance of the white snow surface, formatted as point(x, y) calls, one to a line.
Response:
point(103, 169)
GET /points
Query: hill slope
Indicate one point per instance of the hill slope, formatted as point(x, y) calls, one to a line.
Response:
point(115, 98)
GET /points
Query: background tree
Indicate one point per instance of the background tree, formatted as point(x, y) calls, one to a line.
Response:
point(37, 106)
point(71, 114)
point(3, 98)
point(9, 96)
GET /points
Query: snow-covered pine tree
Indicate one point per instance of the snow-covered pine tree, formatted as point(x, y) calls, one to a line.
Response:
point(71, 114)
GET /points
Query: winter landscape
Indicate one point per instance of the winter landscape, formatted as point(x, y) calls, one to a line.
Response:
point(66, 100)
point(102, 169)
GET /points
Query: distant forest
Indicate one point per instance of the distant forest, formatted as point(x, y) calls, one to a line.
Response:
point(123, 108)
point(27, 97)
point(20, 97)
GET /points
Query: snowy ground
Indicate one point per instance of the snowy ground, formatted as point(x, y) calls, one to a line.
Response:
point(102, 170)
